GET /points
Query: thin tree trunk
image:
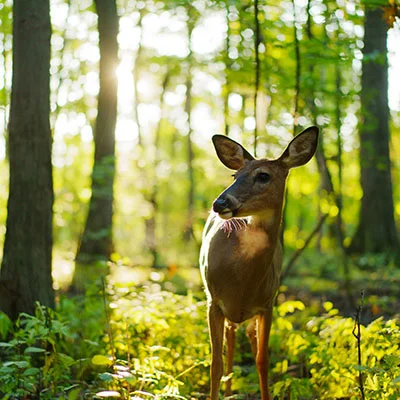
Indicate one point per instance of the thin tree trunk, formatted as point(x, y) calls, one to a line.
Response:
point(96, 242)
point(339, 197)
point(294, 113)
point(26, 266)
point(136, 75)
point(149, 194)
point(298, 70)
point(257, 41)
point(326, 182)
point(228, 66)
point(338, 123)
point(190, 156)
point(151, 223)
point(376, 230)
point(59, 73)
point(5, 89)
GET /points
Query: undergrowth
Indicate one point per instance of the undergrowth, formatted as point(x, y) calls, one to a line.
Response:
point(148, 343)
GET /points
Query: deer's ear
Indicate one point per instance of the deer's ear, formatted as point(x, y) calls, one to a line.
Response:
point(232, 154)
point(301, 148)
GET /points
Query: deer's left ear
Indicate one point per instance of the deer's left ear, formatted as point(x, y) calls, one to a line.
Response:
point(301, 148)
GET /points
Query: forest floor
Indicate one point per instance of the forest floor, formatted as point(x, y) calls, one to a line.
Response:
point(372, 282)
point(142, 333)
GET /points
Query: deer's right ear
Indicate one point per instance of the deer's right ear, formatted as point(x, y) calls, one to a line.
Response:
point(232, 154)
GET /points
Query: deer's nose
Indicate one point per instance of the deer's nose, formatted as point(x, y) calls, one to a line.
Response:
point(221, 204)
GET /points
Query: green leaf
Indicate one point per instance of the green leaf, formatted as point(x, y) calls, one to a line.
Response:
point(5, 325)
point(101, 360)
point(6, 370)
point(5, 344)
point(74, 393)
point(19, 364)
point(34, 350)
point(65, 360)
point(106, 377)
point(91, 342)
point(31, 371)
point(108, 393)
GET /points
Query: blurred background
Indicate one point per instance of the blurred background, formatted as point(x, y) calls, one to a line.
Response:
point(258, 72)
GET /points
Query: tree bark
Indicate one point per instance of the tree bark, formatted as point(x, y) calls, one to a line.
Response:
point(96, 242)
point(188, 234)
point(376, 230)
point(228, 67)
point(6, 28)
point(151, 222)
point(136, 76)
point(298, 70)
point(257, 41)
point(26, 266)
point(190, 156)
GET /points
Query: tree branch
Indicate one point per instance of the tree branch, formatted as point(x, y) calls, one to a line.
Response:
point(299, 251)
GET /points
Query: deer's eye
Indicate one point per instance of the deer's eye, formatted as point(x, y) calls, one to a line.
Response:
point(263, 177)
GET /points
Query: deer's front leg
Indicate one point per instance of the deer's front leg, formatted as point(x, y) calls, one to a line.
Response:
point(262, 359)
point(216, 325)
point(230, 334)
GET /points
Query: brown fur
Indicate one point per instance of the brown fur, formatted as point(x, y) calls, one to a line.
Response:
point(241, 263)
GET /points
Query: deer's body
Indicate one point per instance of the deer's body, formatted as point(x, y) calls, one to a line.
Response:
point(248, 260)
point(241, 255)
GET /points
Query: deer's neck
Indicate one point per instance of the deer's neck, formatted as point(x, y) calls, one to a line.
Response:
point(269, 222)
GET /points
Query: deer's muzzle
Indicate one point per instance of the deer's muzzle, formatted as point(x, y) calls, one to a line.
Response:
point(225, 207)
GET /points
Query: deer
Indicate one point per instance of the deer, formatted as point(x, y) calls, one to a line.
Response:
point(241, 252)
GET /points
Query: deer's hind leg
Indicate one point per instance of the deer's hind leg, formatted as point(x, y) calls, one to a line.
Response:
point(258, 331)
point(262, 360)
point(251, 333)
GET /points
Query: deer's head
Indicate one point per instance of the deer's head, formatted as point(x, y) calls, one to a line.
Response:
point(259, 185)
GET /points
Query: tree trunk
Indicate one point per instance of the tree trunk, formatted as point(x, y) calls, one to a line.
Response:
point(188, 234)
point(96, 242)
point(151, 222)
point(136, 76)
point(257, 41)
point(228, 67)
point(338, 125)
point(188, 109)
point(376, 230)
point(298, 70)
point(6, 28)
point(26, 266)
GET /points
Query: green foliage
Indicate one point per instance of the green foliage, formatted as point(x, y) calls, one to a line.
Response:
point(5, 325)
point(155, 344)
point(145, 349)
point(3, 200)
point(33, 363)
point(164, 336)
point(324, 352)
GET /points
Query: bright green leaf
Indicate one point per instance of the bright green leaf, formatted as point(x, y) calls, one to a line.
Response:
point(108, 393)
point(34, 350)
point(101, 360)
